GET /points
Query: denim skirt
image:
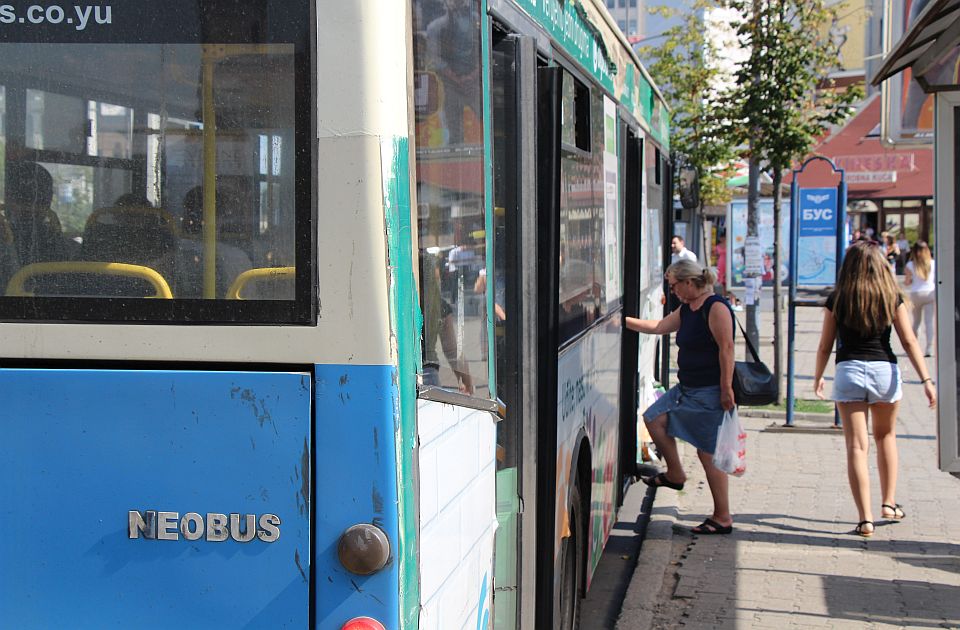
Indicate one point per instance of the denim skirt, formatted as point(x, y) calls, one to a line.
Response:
point(694, 415)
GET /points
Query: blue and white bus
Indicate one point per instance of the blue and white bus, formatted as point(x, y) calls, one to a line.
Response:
point(310, 312)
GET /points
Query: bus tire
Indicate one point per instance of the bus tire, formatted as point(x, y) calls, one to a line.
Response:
point(571, 564)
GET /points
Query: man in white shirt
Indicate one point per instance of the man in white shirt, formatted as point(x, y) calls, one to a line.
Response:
point(678, 251)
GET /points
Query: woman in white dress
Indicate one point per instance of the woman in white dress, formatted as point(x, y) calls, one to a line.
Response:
point(920, 278)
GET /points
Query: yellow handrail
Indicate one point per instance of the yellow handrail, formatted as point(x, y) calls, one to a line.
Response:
point(260, 273)
point(16, 286)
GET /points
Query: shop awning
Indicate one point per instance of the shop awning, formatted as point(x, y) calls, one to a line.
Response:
point(934, 35)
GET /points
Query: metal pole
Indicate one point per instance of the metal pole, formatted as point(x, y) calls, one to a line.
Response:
point(841, 247)
point(753, 222)
point(791, 310)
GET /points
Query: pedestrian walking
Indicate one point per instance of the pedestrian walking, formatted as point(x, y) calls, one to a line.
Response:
point(693, 410)
point(861, 311)
point(679, 251)
point(920, 276)
point(892, 251)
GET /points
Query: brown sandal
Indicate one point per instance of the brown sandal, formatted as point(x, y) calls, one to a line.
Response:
point(861, 529)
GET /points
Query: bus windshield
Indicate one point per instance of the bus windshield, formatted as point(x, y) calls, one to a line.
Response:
point(135, 170)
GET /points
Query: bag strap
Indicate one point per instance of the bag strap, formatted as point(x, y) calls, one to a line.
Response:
point(746, 337)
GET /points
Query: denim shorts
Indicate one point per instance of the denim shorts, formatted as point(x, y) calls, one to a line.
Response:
point(867, 381)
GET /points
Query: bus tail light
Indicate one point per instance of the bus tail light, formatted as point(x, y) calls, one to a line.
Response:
point(364, 549)
point(363, 623)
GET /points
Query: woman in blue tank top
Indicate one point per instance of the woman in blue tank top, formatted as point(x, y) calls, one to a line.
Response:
point(693, 409)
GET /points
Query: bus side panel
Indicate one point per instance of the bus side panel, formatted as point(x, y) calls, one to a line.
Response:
point(457, 464)
point(589, 382)
point(81, 449)
point(356, 463)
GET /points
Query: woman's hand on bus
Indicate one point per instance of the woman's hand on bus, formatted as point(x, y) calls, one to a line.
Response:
point(466, 383)
point(727, 399)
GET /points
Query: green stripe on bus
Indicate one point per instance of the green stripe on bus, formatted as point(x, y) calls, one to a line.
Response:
point(406, 322)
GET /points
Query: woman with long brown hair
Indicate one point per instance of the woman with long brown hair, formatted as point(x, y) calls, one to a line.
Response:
point(920, 276)
point(863, 309)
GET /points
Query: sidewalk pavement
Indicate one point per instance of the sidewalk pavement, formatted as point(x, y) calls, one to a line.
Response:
point(792, 560)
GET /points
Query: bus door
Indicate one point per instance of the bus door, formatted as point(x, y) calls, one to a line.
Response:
point(549, 117)
point(630, 168)
point(521, 321)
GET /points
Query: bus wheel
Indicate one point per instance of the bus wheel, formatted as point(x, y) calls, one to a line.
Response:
point(571, 568)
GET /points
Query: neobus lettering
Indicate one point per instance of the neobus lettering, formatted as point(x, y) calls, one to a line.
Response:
point(55, 14)
point(154, 525)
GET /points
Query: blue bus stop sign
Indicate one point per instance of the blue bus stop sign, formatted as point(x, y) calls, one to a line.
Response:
point(817, 242)
point(817, 237)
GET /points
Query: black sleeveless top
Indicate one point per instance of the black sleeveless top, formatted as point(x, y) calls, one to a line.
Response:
point(698, 357)
point(852, 346)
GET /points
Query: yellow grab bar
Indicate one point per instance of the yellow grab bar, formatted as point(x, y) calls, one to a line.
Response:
point(260, 273)
point(16, 286)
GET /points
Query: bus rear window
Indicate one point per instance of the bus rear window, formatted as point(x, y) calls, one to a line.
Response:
point(157, 175)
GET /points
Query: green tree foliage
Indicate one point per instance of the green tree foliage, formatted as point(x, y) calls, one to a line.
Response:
point(784, 102)
point(684, 64)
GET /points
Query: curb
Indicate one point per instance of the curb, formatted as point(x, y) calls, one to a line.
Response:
point(819, 429)
point(643, 593)
point(748, 412)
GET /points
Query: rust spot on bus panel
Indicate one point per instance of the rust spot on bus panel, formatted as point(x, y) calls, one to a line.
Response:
point(296, 560)
point(305, 475)
point(259, 407)
point(377, 499)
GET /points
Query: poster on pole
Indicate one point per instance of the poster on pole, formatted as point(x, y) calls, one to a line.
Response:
point(817, 237)
point(737, 242)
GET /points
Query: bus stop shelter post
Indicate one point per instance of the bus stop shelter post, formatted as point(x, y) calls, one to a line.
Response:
point(841, 248)
point(791, 310)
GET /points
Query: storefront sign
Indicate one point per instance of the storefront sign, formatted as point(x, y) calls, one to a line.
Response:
point(872, 177)
point(876, 162)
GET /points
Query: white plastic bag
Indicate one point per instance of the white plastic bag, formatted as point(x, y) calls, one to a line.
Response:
point(731, 453)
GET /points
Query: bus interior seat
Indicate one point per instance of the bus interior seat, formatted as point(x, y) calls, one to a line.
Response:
point(264, 283)
point(88, 279)
point(9, 262)
point(135, 235)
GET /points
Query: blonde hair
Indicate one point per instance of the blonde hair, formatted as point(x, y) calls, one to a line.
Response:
point(920, 254)
point(689, 270)
point(867, 294)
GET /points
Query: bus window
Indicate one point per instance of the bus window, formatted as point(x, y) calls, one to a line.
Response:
point(178, 153)
point(450, 194)
point(582, 271)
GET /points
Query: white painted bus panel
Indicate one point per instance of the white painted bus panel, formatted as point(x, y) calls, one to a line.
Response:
point(457, 472)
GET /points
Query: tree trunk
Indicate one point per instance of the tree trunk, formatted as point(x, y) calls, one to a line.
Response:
point(777, 310)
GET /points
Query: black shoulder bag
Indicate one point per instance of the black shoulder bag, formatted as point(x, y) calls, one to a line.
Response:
point(753, 383)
